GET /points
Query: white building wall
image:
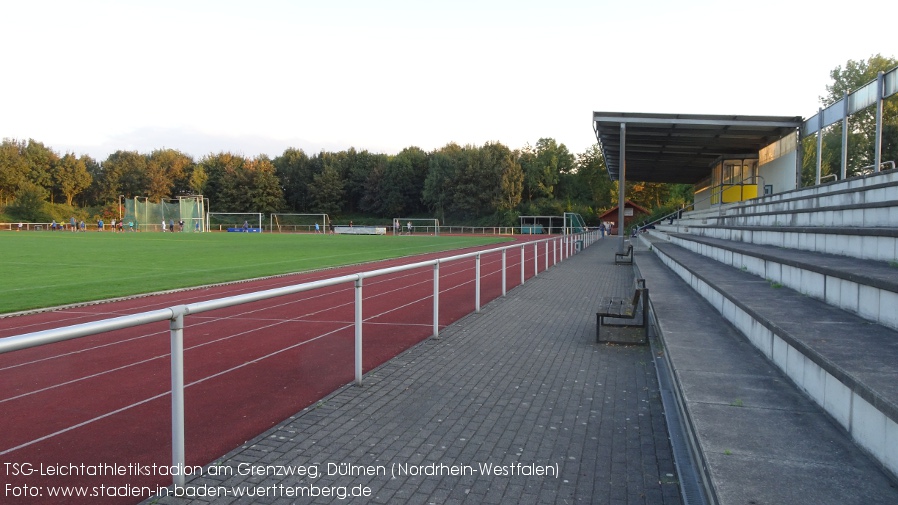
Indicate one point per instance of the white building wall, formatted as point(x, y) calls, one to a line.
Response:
point(780, 173)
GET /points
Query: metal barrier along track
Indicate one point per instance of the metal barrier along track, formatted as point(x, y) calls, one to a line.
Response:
point(562, 247)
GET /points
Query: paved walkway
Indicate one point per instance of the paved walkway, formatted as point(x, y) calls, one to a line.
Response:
point(519, 400)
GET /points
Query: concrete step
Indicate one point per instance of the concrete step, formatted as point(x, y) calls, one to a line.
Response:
point(863, 287)
point(880, 244)
point(868, 201)
point(845, 364)
point(813, 212)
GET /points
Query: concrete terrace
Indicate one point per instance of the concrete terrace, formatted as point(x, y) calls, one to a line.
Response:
point(777, 316)
point(521, 383)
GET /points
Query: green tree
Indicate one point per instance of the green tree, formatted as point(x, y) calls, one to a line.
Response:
point(71, 176)
point(295, 170)
point(543, 165)
point(680, 195)
point(354, 170)
point(237, 184)
point(262, 187)
point(168, 173)
point(93, 195)
point(13, 168)
point(198, 178)
point(124, 173)
point(403, 183)
point(327, 191)
point(372, 199)
point(87, 195)
point(511, 182)
point(30, 202)
point(478, 187)
point(372, 189)
point(439, 185)
point(40, 160)
point(223, 184)
point(592, 182)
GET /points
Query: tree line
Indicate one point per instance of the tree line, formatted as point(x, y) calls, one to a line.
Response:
point(488, 184)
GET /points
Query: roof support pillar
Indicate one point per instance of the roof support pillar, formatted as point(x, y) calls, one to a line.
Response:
point(621, 188)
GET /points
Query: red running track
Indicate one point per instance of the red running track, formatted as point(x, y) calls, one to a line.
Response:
point(106, 399)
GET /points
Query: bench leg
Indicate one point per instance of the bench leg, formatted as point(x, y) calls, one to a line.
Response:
point(645, 313)
point(598, 328)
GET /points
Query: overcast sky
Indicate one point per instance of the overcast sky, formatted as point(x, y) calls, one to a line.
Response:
point(258, 76)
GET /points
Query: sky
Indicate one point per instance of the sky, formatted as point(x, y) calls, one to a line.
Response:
point(257, 77)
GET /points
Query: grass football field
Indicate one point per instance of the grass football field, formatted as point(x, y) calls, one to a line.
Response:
point(46, 269)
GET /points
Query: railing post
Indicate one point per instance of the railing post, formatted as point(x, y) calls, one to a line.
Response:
point(504, 272)
point(178, 455)
point(535, 259)
point(477, 284)
point(436, 299)
point(522, 264)
point(358, 331)
point(554, 252)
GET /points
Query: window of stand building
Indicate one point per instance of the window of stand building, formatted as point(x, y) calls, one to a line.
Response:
point(735, 180)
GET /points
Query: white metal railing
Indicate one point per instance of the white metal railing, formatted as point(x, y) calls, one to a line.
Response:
point(562, 248)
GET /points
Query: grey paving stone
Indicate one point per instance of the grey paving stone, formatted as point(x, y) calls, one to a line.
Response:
point(521, 386)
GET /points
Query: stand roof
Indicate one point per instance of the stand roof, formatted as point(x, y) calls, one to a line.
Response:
point(680, 148)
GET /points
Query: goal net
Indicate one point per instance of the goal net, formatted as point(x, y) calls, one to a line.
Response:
point(574, 223)
point(186, 213)
point(234, 221)
point(298, 223)
point(415, 226)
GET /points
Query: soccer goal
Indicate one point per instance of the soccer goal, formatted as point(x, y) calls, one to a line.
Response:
point(415, 226)
point(298, 223)
point(573, 223)
point(234, 221)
